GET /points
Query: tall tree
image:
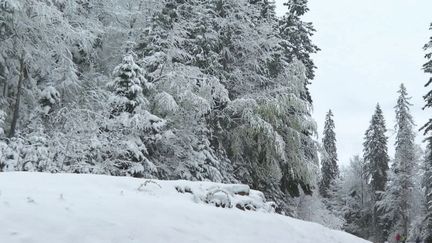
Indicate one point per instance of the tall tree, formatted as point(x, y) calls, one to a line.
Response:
point(376, 151)
point(405, 155)
point(395, 208)
point(329, 166)
point(297, 39)
point(376, 159)
point(427, 67)
point(427, 182)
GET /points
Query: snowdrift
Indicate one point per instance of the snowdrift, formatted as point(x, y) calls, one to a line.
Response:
point(66, 208)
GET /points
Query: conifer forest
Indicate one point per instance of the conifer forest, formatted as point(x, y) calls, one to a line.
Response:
point(207, 91)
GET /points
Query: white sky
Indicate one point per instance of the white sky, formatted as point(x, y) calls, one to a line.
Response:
point(369, 48)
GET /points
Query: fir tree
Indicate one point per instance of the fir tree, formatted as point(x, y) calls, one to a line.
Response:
point(376, 158)
point(394, 206)
point(375, 151)
point(405, 155)
point(329, 166)
point(427, 67)
point(127, 86)
point(297, 35)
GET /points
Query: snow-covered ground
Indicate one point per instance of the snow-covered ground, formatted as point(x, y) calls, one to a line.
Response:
point(66, 208)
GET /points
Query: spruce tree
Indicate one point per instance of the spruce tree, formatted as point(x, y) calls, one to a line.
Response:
point(427, 67)
point(127, 86)
point(329, 166)
point(376, 159)
point(297, 35)
point(405, 156)
point(375, 151)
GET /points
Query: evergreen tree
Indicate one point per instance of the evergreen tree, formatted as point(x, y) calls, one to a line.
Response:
point(297, 39)
point(427, 182)
point(376, 159)
point(404, 157)
point(388, 207)
point(127, 86)
point(394, 207)
point(329, 166)
point(134, 126)
point(183, 94)
point(375, 151)
point(427, 67)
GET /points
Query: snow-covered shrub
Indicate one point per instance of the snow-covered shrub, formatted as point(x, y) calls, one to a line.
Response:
point(218, 197)
point(165, 104)
point(227, 196)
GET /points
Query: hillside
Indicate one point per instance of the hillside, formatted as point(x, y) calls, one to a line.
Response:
point(68, 208)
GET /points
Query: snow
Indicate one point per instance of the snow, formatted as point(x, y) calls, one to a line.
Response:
point(66, 208)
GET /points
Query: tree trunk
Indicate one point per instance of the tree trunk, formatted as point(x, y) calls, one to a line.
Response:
point(18, 98)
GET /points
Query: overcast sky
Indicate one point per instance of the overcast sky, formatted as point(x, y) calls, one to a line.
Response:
point(369, 48)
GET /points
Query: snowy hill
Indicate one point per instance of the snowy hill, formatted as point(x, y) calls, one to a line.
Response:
point(67, 208)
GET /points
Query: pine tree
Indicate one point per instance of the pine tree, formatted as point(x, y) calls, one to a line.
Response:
point(405, 156)
point(329, 166)
point(376, 159)
point(427, 67)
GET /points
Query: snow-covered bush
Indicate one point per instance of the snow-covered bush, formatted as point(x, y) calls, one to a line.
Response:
point(227, 196)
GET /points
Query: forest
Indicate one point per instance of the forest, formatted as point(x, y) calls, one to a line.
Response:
point(203, 90)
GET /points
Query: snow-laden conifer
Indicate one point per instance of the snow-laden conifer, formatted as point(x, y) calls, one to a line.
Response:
point(397, 199)
point(376, 159)
point(127, 86)
point(427, 67)
point(329, 166)
point(297, 39)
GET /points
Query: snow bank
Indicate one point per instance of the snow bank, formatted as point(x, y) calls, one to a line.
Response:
point(66, 208)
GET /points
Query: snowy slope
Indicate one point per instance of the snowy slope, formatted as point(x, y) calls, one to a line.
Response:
point(66, 208)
